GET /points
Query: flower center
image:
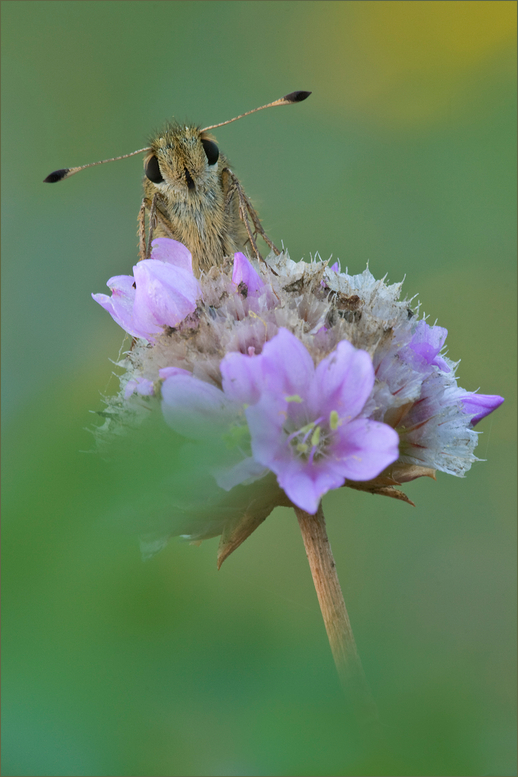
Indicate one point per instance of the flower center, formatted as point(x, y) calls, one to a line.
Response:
point(310, 442)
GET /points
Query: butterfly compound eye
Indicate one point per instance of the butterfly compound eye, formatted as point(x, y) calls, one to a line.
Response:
point(211, 151)
point(152, 170)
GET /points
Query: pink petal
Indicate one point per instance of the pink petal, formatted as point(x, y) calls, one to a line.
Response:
point(284, 367)
point(165, 295)
point(343, 381)
point(194, 408)
point(246, 470)
point(244, 272)
point(305, 483)
point(120, 304)
point(426, 343)
point(171, 251)
point(167, 372)
point(365, 448)
point(480, 405)
point(242, 377)
point(287, 365)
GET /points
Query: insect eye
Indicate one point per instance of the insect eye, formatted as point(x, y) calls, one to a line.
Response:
point(152, 170)
point(211, 151)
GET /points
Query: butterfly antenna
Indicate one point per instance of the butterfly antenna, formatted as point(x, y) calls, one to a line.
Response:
point(66, 172)
point(289, 99)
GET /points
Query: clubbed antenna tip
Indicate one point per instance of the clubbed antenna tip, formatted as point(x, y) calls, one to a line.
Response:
point(57, 175)
point(296, 97)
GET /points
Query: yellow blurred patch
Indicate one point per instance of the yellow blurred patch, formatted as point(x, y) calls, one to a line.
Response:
point(458, 33)
point(405, 62)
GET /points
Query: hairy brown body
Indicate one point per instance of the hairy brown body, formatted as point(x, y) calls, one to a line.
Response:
point(196, 202)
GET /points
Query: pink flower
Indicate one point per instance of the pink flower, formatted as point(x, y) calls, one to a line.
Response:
point(243, 272)
point(305, 422)
point(162, 291)
point(426, 344)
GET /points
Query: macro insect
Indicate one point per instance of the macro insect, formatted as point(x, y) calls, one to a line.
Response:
point(192, 195)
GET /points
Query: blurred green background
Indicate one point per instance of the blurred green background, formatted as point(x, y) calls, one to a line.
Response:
point(404, 156)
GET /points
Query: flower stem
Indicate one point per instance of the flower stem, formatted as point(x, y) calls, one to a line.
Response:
point(332, 605)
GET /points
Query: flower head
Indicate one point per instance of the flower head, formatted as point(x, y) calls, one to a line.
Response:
point(286, 380)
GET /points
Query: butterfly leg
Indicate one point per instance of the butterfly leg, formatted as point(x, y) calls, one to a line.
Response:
point(141, 231)
point(233, 189)
point(255, 220)
point(246, 209)
point(152, 223)
point(155, 217)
